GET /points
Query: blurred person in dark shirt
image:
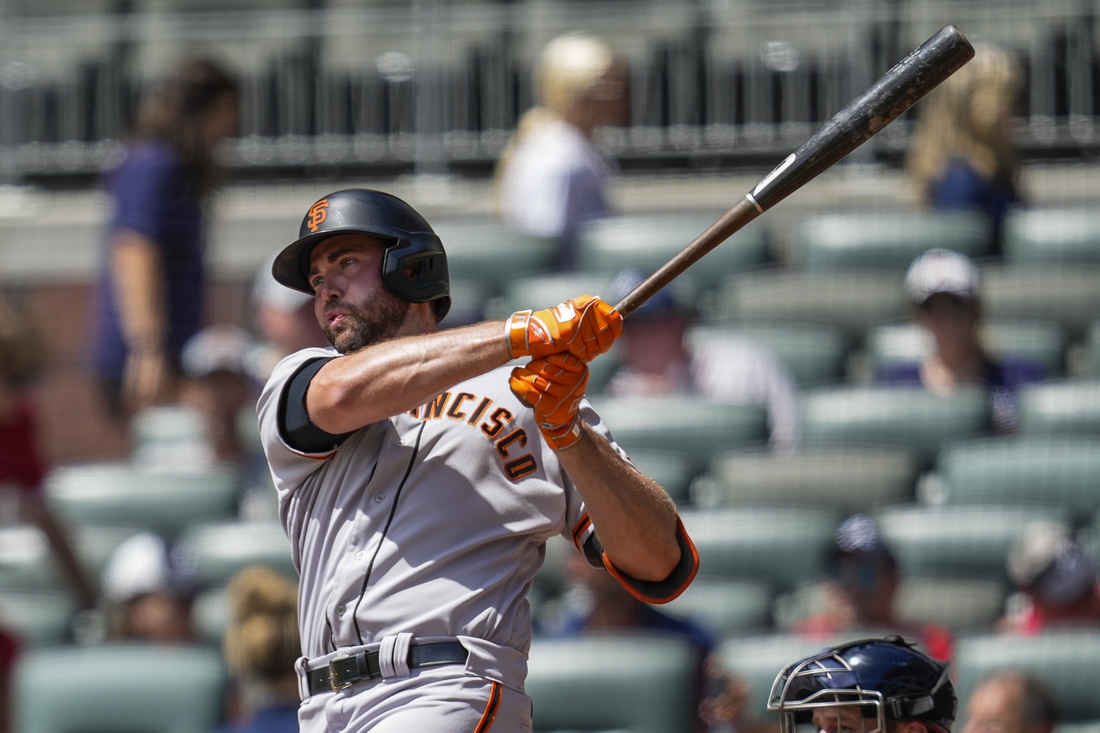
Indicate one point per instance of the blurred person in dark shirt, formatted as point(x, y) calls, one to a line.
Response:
point(861, 591)
point(1060, 584)
point(962, 155)
point(944, 289)
point(1011, 702)
point(151, 280)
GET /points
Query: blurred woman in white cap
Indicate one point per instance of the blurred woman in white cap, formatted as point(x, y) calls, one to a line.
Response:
point(551, 179)
point(943, 288)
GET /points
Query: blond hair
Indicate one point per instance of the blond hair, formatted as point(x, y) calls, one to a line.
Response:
point(964, 119)
point(262, 640)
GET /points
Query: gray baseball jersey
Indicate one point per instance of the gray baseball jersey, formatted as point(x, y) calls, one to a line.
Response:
point(431, 522)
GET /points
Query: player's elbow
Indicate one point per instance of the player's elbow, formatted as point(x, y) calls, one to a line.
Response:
point(332, 404)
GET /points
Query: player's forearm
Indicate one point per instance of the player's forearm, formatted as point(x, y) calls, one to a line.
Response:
point(635, 517)
point(138, 277)
point(396, 376)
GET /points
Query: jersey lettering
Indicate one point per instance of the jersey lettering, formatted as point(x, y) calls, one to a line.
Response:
point(496, 422)
point(481, 408)
point(516, 435)
point(494, 427)
point(461, 397)
point(525, 465)
point(435, 407)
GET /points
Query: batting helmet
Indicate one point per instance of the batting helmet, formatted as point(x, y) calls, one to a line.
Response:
point(408, 238)
point(885, 679)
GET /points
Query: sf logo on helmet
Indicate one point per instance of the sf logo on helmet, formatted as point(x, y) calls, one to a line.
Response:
point(317, 214)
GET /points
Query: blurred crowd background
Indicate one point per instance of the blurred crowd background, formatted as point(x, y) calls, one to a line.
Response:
point(877, 407)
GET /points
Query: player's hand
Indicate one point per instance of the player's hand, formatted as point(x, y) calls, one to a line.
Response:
point(553, 387)
point(584, 327)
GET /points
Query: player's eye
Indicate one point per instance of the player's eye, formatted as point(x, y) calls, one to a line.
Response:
point(317, 280)
point(347, 261)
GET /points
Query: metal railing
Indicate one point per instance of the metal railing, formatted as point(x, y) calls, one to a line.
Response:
point(437, 86)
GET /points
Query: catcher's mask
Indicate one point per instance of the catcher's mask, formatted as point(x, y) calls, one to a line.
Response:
point(887, 680)
point(414, 265)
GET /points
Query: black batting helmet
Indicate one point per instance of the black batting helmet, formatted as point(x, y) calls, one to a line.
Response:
point(408, 238)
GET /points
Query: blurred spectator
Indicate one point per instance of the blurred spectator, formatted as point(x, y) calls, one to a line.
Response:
point(943, 287)
point(1011, 702)
point(1060, 583)
point(551, 178)
point(725, 707)
point(962, 156)
point(151, 282)
point(656, 359)
point(218, 387)
point(261, 647)
point(861, 590)
point(285, 321)
point(149, 589)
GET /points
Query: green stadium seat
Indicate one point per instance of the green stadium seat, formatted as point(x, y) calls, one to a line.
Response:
point(1040, 342)
point(886, 239)
point(220, 550)
point(167, 424)
point(782, 546)
point(493, 255)
point(814, 354)
point(848, 480)
point(724, 607)
point(957, 541)
point(1092, 350)
point(1064, 236)
point(1067, 662)
point(646, 242)
point(547, 290)
point(113, 688)
point(468, 298)
point(1046, 471)
point(1069, 407)
point(852, 301)
point(1069, 295)
point(143, 496)
point(694, 427)
point(27, 562)
point(961, 605)
point(210, 615)
point(642, 683)
point(908, 417)
point(38, 618)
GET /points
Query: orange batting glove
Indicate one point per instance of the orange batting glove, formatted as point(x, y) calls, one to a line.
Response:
point(553, 387)
point(585, 327)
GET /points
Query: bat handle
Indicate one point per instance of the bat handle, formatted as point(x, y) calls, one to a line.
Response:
point(741, 214)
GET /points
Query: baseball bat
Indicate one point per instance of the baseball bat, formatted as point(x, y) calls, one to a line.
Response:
point(899, 89)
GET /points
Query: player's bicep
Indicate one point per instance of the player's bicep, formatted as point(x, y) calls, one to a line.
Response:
point(295, 426)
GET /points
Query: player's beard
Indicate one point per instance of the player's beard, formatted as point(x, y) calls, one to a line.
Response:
point(378, 319)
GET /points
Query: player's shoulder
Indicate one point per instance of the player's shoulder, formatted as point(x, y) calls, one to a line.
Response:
point(290, 365)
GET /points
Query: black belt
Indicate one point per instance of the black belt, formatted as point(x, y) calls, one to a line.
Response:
point(345, 671)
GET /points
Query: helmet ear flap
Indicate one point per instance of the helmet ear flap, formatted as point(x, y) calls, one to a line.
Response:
point(417, 271)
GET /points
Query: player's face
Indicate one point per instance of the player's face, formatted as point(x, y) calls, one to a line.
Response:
point(843, 719)
point(350, 301)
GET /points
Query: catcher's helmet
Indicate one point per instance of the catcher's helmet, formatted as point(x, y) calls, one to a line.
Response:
point(408, 238)
point(886, 678)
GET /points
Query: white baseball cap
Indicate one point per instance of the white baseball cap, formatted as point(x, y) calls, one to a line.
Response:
point(941, 271)
point(221, 347)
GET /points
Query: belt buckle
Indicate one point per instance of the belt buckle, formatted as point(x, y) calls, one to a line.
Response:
point(344, 672)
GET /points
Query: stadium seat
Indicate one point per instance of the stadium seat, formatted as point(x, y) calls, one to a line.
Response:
point(886, 239)
point(493, 255)
point(143, 496)
point(957, 541)
point(1067, 662)
point(814, 354)
point(113, 688)
point(851, 301)
point(780, 546)
point(1040, 342)
point(1069, 294)
point(220, 550)
point(172, 424)
point(1063, 236)
point(1048, 471)
point(646, 242)
point(724, 607)
point(961, 605)
point(27, 562)
point(694, 427)
point(1069, 407)
point(848, 480)
point(642, 683)
point(908, 417)
point(37, 617)
point(670, 469)
point(210, 615)
point(468, 298)
point(1092, 350)
point(547, 290)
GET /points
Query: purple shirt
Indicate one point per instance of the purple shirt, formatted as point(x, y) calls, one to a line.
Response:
point(151, 197)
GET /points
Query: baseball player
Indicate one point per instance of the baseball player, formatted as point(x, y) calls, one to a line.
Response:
point(419, 479)
point(866, 686)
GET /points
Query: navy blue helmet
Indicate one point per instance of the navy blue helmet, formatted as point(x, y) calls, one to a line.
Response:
point(885, 678)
